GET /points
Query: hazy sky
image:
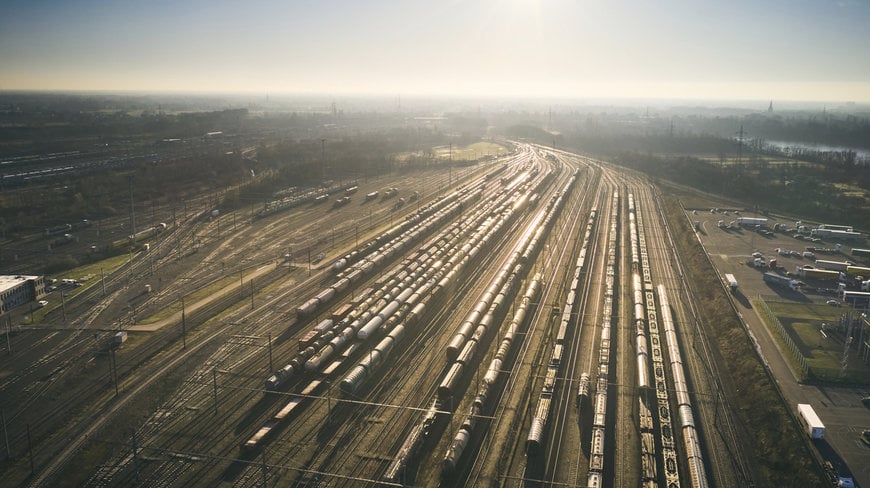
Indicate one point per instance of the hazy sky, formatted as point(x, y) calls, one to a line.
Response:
point(745, 49)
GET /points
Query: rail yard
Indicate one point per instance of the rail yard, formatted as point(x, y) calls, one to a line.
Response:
point(524, 322)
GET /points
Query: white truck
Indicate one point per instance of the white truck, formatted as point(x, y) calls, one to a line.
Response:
point(732, 281)
point(810, 421)
point(833, 265)
point(749, 221)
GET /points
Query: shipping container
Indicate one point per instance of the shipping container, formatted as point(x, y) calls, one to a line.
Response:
point(819, 274)
point(858, 271)
point(119, 338)
point(832, 265)
point(810, 421)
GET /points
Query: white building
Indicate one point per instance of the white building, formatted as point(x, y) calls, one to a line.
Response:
point(18, 290)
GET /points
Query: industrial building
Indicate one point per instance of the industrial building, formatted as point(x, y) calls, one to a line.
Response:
point(18, 290)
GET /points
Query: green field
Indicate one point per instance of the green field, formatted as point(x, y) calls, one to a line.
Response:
point(88, 275)
point(822, 350)
point(191, 298)
point(472, 151)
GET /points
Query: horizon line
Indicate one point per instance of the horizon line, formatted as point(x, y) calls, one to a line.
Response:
point(421, 95)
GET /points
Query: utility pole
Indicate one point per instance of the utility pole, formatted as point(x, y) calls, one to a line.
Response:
point(175, 231)
point(263, 467)
point(269, 336)
point(5, 434)
point(135, 458)
point(183, 326)
point(214, 382)
point(740, 135)
point(450, 166)
point(322, 160)
point(113, 366)
point(8, 339)
point(132, 214)
point(844, 361)
point(30, 448)
point(62, 306)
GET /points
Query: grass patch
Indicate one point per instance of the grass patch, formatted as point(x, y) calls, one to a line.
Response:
point(472, 151)
point(792, 361)
point(191, 298)
point(822, 352)
point(91, 272)
point(692, 199)
point(88, 275)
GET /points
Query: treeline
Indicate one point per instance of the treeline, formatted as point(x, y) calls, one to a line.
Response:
point(293, 162)
point(107, 193)
point(831, 129)
point(794, 187)
point(56, 125)
point(846, 159)
point(310, 161)
point(827, 129)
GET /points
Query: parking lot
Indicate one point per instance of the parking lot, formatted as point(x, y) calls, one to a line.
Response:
point(802, 308)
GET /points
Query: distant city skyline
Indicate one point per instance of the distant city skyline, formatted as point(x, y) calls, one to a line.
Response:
point(799, 50)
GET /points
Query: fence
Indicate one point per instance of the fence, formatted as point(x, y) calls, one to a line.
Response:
point(771, 319)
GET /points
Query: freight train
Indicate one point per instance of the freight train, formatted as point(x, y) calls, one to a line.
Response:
point(394, 305)
point(464, 344)
point(691, 441)
point(568, 318)
point(595, 474)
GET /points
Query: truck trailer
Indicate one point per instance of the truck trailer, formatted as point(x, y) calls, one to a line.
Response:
point(857, 299)
point(751, 221)
point(858, 271)
point(819, 274)
point(775, 279)
point(732, 281)
point(837, 234)
point(832, 265)
point(847, 228)
point(810, 421)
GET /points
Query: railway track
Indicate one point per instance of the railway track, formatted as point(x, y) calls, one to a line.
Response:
point(714, 409)
point(337, 438)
